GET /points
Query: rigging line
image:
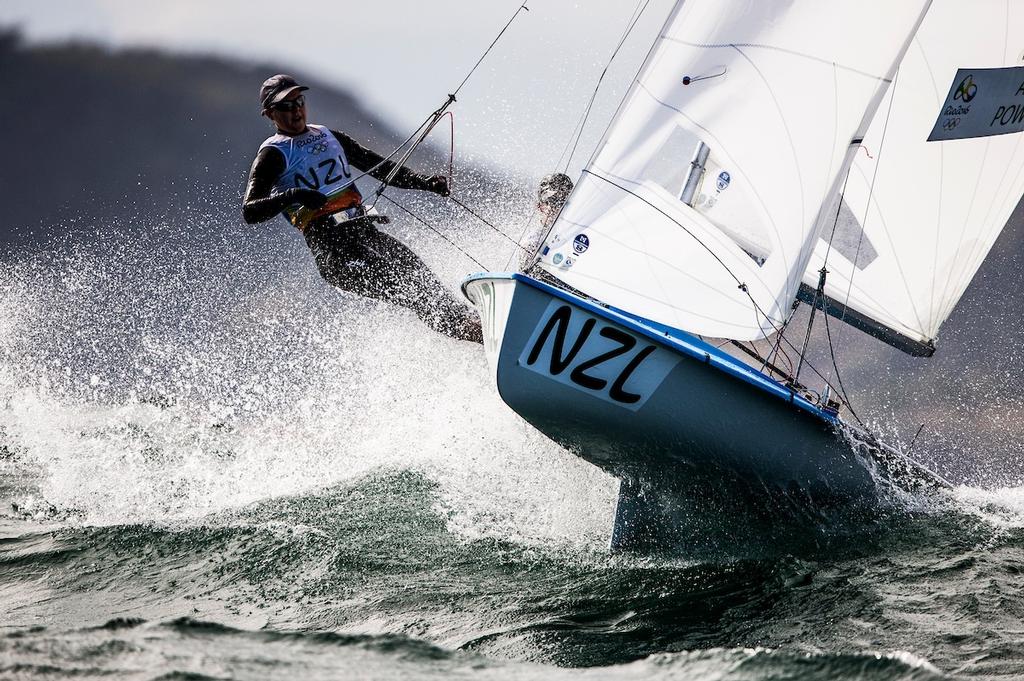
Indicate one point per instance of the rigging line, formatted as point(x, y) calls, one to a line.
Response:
point(914, 441)
point(434, 230)
point(611, 121)
point(707, 248)
point(435, 117)
point(871, 191)
point(778, 351)
point(778, 342)
point(839, 378)
point(387, 158)
point(491, 47)
point(636, 76)
point(451, 152)
point(522, 236)
point(839, 209)
point(742, 286)
point(426, 128)
point(486, 222)
point(820, 291)
point(581, 125)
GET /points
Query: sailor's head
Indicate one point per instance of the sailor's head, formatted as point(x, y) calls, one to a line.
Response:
point(282, 101)
point(551, 195)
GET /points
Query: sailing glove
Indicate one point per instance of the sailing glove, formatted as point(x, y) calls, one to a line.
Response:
point(309, 198)
point(439, 185)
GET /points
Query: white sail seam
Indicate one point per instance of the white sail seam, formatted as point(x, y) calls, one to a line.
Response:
point(775, 48)
point(721, 145)
point(796, 166)
point(940, 304)
point(720, 239)
point(835, 133)
point(969, 273)
point(1000, 191)
point(985, 238)
point(873, 204)
point(938, 95)
point(738, 281)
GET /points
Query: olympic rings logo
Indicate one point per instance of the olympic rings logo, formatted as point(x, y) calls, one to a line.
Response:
point(950, 123)
point(967, 90)
point(317, 148)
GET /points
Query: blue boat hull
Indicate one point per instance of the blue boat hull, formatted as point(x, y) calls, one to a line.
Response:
point(670, 415)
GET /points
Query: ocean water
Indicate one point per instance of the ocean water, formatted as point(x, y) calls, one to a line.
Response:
point(213, 466)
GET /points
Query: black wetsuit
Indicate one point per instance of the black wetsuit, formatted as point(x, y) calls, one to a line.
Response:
point(354, 255)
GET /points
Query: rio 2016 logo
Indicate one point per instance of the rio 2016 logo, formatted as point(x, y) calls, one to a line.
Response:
point(967, 90)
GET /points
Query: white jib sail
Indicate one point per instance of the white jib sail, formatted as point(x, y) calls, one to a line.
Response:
point(919, 216)
point(776, 89)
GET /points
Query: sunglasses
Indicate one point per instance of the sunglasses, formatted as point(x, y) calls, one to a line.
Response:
point(289, 105)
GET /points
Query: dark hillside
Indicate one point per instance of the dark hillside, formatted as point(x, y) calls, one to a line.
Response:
point(97, 134)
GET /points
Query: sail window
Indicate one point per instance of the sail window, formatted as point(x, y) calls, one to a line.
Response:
point(849, 239)
point(687, 168)
point(670, 165)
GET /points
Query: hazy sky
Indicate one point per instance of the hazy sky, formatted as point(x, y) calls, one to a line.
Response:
point(401, 56)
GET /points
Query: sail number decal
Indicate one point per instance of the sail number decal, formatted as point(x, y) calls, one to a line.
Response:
point(590, 354)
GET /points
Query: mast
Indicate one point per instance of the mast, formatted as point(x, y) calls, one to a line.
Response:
point(697, 166)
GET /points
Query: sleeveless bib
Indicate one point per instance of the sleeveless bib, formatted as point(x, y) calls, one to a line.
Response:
point(316, 160)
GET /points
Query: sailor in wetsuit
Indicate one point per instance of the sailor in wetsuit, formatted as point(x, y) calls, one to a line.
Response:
point(306, 172)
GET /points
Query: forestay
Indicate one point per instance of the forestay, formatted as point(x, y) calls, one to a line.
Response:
point(919, 217)
point(777, 90)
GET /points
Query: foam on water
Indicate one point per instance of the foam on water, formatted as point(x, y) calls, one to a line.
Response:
point(1001, 507)
point(144, 384)
point(287, 458)
point(155, 376)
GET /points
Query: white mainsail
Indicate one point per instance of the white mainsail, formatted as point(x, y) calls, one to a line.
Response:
point(777, 90)
point(920, 216)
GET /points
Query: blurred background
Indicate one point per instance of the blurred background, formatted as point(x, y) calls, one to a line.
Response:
point(156, 103)
point(130, 127)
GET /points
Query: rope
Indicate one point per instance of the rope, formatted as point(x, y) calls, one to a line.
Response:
point(777, 350)
point(914, 441)
point(839, 378)
point(479, 217)
point(488, 50)
point(435, 117)
point(435, 231)
point(581, 125)
point(871, 191)
point(387, 158)
point(460, 204)
point(426, 129)
point(451, 153)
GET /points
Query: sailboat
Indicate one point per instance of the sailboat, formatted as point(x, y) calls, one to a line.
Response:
point(860, 157)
